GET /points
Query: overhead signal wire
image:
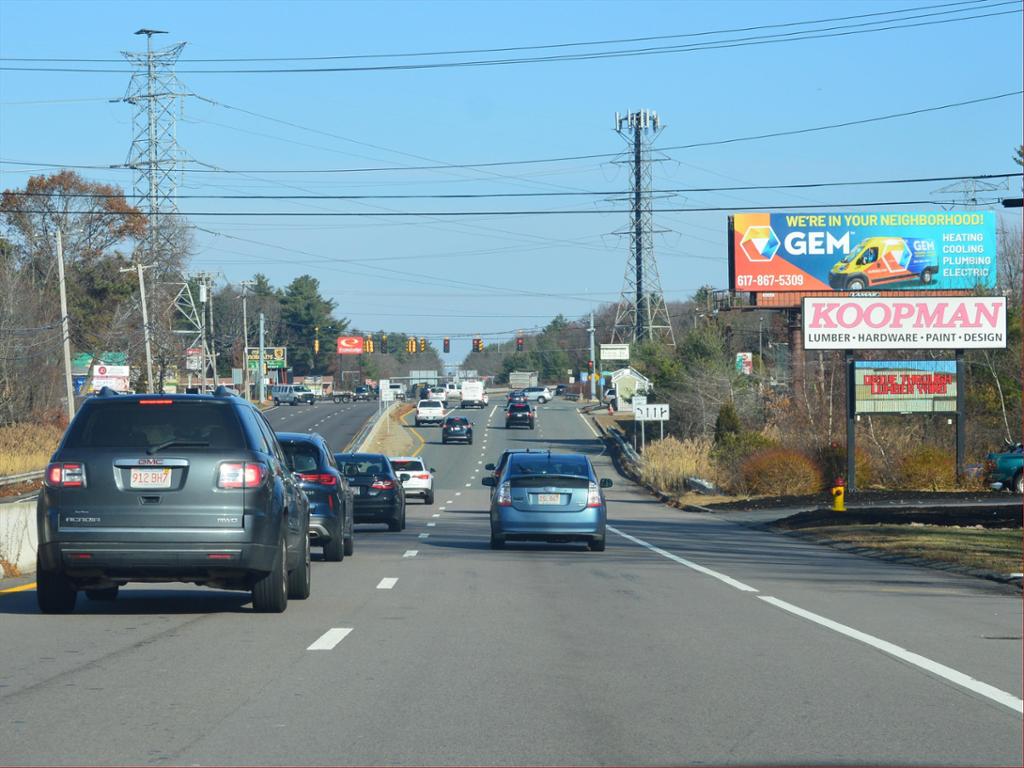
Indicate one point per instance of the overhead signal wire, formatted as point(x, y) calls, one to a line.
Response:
point(508, 49)
point(799, 35)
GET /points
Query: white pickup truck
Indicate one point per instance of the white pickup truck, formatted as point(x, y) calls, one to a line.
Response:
point(430, 412)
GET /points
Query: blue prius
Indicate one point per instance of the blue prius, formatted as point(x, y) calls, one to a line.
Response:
point(548, 497)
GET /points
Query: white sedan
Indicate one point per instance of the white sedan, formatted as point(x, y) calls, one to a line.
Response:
point(421, 479)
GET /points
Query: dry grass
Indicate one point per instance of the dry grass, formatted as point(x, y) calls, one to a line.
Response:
point(27, 447)
point(992, 549)
point(667, 463)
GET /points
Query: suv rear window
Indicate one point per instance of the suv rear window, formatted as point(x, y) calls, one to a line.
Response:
point(407, 466)
point(155, 421)
point(305, 456)
point(430, 404)
point(519, 407)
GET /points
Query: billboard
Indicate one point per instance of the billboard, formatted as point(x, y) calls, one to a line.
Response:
point(614, 352)
point(927, 251)
point(898, 322)
point(114, 376)
point(905, 386)
point(274, 357)
point(350, 345)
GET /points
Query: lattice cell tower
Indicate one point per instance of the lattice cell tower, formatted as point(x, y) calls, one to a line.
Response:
point(642, 314)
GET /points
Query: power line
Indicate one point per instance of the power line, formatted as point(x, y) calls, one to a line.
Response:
point(499, 195)
point(509, 49)
point(567, 158)
point(828, 32)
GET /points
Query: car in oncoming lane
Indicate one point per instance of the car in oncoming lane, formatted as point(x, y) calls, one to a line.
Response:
point(420, 481)
point(546, 496)
point(377, 488)
point(457, 429)
point(330, 498)
point(519, 415)
point(165, 488)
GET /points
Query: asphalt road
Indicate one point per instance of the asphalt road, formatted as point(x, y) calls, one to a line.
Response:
point(690, 640)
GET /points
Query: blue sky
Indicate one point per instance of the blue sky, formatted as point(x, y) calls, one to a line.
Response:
point(511, 112)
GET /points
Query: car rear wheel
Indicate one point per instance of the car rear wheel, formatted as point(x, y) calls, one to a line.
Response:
point(428, 498)
point(542, 400)
point(270, 592)
point(54, 593)
point(276, 401)
point(596, 545)
point(395, 523)
point(349, 545)
point(301, 577)
point(102, 595)
point(334, 550)
point(497, 541)
point(1018, 483)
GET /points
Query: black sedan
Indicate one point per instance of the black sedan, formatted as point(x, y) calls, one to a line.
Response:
point(329, 495)
point(379, 496)
point(457, 428)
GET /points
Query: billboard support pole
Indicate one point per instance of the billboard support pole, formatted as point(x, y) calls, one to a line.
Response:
point(960, 416)
point(851, 423)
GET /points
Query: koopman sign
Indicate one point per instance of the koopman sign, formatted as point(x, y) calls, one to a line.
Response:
point(958, 322)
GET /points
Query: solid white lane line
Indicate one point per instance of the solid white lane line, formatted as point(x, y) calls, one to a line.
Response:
point(431, 525)
point(411, 553)
point(424, 536)
point(688, 563)
point(589, 425)
point(388, 583)
point(947, 673)
point(329, 639)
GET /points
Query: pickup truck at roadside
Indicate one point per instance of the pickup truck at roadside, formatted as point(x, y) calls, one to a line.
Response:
point(430, 412)
point(1005, 470)
point(473, 395)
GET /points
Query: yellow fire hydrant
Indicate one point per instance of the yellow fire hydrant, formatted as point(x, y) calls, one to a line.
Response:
point(839, 495)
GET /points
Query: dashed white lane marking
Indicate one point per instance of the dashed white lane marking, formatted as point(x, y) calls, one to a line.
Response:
point(329, 639)
point(683, 561)
point(479, 462)
point(469, 485)
point(435, 515)
point(421, 536)
point(589, 425)
point(450, 501)
point(458, 493)
point(388, 583)
point(431, 525)
point(442, 509)
point(948, 673)
point(411, 553)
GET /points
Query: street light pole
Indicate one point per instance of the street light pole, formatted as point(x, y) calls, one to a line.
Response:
point(245, 336)
point(65, 330)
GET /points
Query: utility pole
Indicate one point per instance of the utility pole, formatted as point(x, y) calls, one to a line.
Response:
point(245, 336)
point(593, 378)
point(202, 330)
point(145, 319)
point(65, 330)
point(213, 341)
point(262, 378)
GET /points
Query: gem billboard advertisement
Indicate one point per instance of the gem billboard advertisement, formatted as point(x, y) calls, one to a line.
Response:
point(927, 251)
point(905, 386)
point(898, 322)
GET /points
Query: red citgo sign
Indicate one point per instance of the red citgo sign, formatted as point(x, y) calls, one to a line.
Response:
point(350, 345)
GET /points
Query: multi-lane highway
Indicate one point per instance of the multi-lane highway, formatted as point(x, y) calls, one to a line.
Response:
point(690, 640)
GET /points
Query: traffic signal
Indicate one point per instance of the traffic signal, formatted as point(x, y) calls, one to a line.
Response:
point(384, 343)
point(423, 344)
point(410, 345)
point(368, 345)
point(447, 345)
point(478, 344)
point(519, 343)
point(590, 367)
point(316, 346)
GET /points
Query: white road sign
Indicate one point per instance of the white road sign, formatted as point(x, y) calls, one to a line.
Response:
point(639, 400)
point(653, 412)
point(615, 351)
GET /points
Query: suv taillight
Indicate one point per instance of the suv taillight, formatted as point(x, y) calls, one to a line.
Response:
point(383, 485)
point(504, 495)
point(594, 496)
point(319, 478)
point(65, 475)
point(241, 474)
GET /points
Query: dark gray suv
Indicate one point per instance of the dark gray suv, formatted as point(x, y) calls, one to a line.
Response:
point(158, 488)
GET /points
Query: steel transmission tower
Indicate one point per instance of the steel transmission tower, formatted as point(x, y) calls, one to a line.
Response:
point(642, 314)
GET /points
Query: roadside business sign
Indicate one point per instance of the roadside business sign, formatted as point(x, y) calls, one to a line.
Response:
point(194, 359)
point(350, 345)
point(898, 322)
point(614, 352)
point(926, 251)
point(116, 377)
point(274, 357)
point(650, 412)
point(745, 363)
point(905, 386)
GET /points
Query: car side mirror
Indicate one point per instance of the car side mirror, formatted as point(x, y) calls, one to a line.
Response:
point(489, 467)
point(605, 483)
point(489, 481)
point(403, 476)
point(297, 477)
point(433, 470)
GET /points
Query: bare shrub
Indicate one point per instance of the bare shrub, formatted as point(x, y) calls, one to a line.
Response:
point(927, 468)
point(781, 472)
point(667, 463)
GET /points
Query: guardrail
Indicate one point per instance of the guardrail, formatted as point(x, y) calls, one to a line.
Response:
point(24, 477)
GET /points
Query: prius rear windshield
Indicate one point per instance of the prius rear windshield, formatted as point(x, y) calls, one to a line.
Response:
point(547, 465)
point(156, 421)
